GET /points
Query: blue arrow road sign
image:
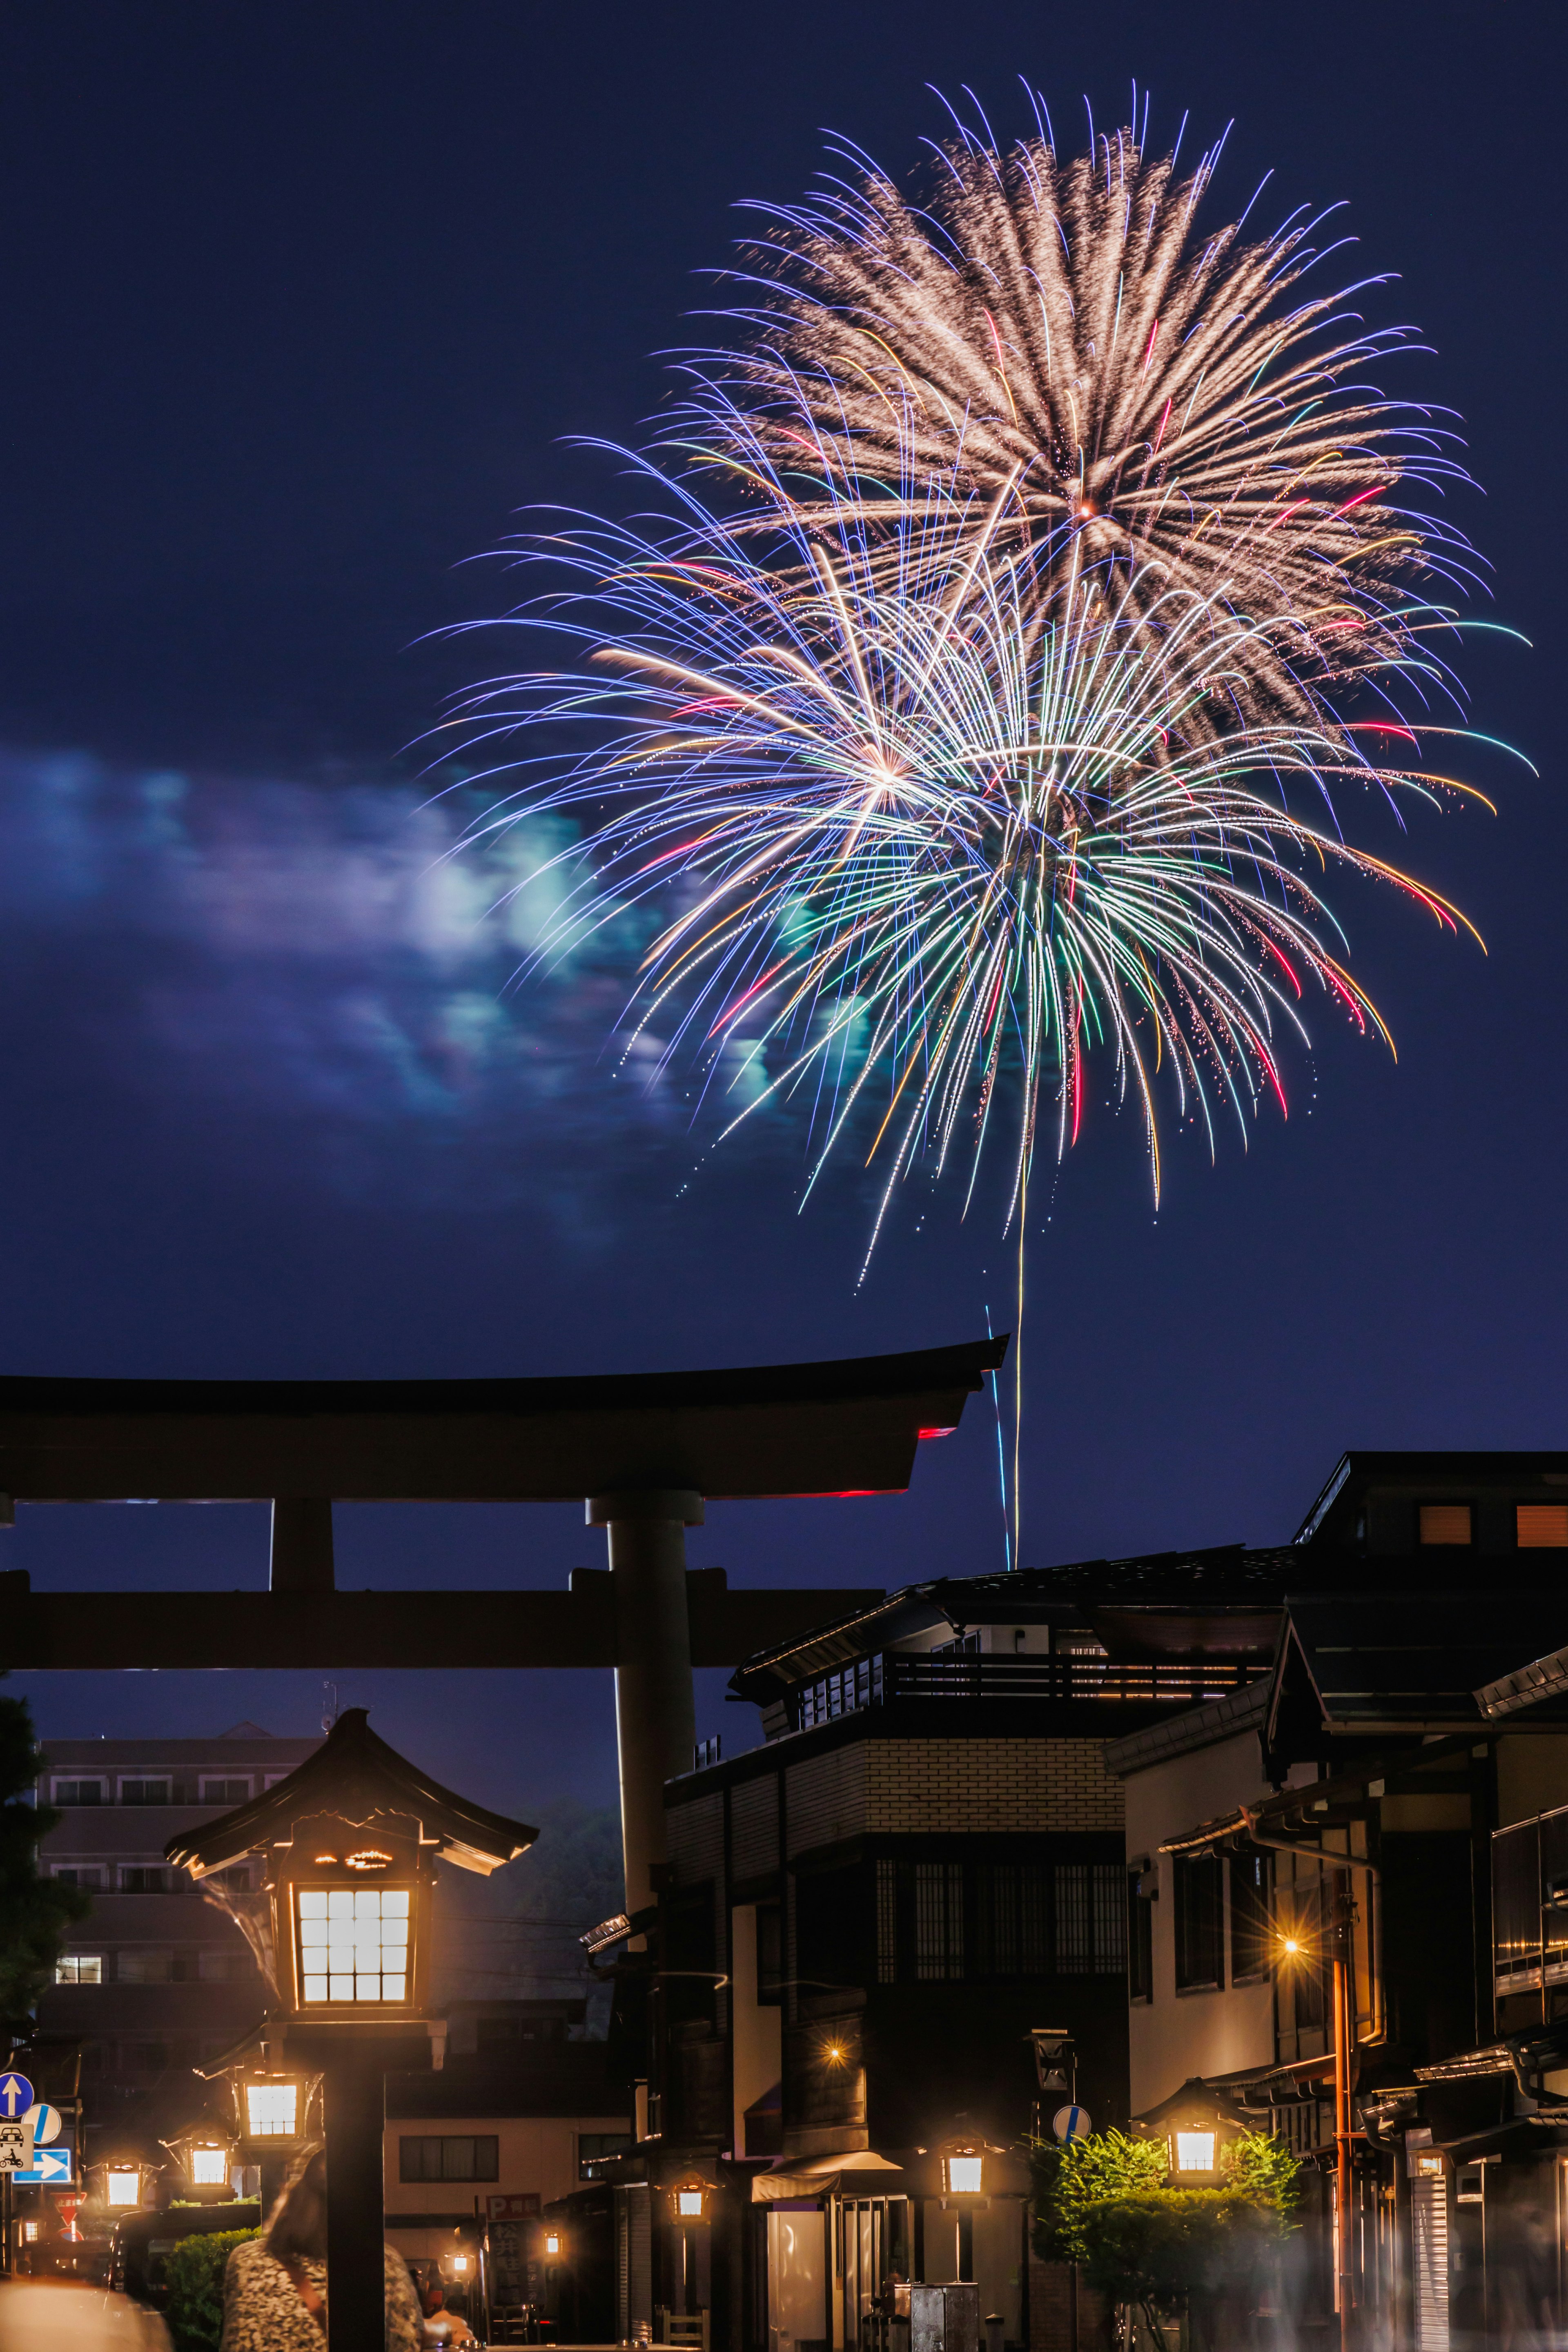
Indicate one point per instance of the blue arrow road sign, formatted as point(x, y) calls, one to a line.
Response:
point(51, 2169)
point(15, 2094)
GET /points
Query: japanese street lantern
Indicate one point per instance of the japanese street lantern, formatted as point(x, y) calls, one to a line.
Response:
point(352, 1839)
point(962, 2161)
point(689, 2198)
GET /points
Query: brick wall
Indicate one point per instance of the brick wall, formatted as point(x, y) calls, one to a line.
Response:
point(998, 1785)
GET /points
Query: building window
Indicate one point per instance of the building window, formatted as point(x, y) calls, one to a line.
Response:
point(469, 2157)
point(1445, 1523)
point(843, 1693)
point(1140, 1935)
point(1199, 1936)
point(1541, 1526)
point(78, 1874)
point(1090, 1920)
point(224, 1967)
point(962, 1646)
point(1012, 1927)
point(1251, 1932)
point(225, 1792)
point(151, 1964)
point(80, 1968)
point(144, 1878)
point(593, 2147)
point(144, 1792)
point(78, 1793)
point(939, 1922)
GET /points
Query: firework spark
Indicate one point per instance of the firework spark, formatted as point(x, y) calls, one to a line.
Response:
point(935, 823)
point(1161, 404)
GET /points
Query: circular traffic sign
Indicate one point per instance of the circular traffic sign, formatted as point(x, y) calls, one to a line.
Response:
point(15, 2096)
point(46, 2123)
point(1072, 2122)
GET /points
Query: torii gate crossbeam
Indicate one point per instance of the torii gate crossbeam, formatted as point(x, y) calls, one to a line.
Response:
point(645, 1451)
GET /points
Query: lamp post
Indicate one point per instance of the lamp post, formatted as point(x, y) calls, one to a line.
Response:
point(352, 1839)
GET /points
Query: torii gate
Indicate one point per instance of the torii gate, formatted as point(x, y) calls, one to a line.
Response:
point(644, 1450)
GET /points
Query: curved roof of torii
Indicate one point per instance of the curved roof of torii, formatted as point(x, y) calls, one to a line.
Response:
point(356, 1774)
point(850, 1426)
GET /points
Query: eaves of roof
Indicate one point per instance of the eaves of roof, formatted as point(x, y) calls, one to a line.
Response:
point(355, 1773)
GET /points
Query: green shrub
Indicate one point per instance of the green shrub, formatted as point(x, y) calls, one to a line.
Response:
point(194, 2275)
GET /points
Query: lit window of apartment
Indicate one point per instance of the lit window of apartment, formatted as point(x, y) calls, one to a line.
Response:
point(78, 1874)
point(1541, 1526)
point(1445, 1523)
point(225, 1792)
point(145, 1791)
point(80, 1968)
point(78, 1793)
point(144, 1964)
point(144, 1878)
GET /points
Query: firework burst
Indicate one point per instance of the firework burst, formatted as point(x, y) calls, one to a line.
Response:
point(1162, 405)
point(933, 823)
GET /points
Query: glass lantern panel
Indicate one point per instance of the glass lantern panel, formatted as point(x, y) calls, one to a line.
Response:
point(1195, 2151)
point(272, 2108)
point(352, 1943)
point(210, 2167)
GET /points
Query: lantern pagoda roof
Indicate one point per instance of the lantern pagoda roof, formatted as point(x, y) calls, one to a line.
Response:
point(357, 1775)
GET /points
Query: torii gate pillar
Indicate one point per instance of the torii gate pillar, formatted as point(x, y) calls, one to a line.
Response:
point(655, 1720)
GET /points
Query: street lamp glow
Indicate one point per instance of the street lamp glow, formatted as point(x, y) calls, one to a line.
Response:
point(963, 2175)
point(1195, 2151)
point(459, 2264)
point(689, 2204)
point(122, 2187)
point(210, 2167)
point(272, 2110)
point(552, 2241)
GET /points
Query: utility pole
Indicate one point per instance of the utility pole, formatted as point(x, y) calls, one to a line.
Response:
point(1344, 2044)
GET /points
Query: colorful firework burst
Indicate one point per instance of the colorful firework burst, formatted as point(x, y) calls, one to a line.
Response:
point(1159, 403)
point(937, 820)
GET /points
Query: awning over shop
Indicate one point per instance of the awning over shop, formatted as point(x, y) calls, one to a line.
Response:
point(820, 2176)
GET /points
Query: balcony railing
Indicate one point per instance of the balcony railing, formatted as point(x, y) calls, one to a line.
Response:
point(895, 1675)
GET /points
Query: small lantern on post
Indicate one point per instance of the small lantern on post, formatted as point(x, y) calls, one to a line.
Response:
point(689, 2199)
point(352, 1839)
point(205, 2157)
point(1196, 2126)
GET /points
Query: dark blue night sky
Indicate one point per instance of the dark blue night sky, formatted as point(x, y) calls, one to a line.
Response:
point(300, 306)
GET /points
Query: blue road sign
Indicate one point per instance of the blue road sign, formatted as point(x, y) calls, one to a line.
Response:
point(47, 2123)
point(1072, 2122)
point(51, 2169)
point(15, 2094)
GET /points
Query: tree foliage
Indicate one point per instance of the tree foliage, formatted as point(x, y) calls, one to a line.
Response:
point(193, 2272)
point(1102, 2202)
point(35, 1911)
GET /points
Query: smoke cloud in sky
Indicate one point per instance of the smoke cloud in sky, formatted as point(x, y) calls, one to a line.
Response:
point(313, 948)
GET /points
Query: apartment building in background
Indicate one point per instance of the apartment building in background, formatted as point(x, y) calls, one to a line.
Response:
point(157, 1981)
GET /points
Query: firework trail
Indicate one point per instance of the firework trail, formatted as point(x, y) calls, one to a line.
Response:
point(934, 822)
point(1162, 405)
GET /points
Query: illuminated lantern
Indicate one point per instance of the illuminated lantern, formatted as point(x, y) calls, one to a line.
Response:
point(204, 2157)
point(963, 2167)
point(551, 2243)
point(123, 2186)
point(351, 1841)
point(689, 2198)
